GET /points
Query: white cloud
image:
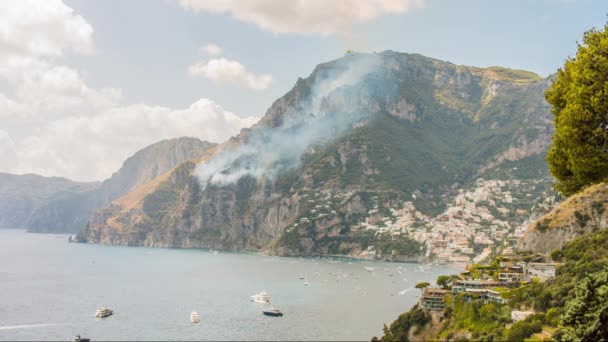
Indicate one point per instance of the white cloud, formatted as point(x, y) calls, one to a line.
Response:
point(211, 50)
point(93, 147)
point(54, 124)
point(7, 151)
point(303, 16)
point(45, 88)
point(228, 71)
point(42, 28)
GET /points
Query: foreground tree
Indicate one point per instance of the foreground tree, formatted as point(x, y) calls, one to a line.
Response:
point(586, 317)
point(579, 99)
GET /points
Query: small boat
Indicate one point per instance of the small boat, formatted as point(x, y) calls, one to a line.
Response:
point(194, 317)
point(273, 313)
point(262, 298)
point(103, 312)
point(81, 339)
point(301, 277)
point(305, 283)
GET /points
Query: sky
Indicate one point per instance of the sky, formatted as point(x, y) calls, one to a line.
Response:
point(84, 84)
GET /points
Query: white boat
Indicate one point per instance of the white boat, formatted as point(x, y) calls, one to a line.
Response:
point(103, 312)
point(194, 317)
point(262, 298)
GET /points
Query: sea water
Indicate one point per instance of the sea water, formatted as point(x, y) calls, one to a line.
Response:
point(50, 290)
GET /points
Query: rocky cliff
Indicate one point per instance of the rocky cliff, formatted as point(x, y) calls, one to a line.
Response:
point(70, 213)
point(356, 159)
point(20, 195)
point(580, 214)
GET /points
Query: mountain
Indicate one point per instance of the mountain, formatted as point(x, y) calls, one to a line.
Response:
point(70, 213)
point(372, 155)
point(577, 216)
point(20, 195)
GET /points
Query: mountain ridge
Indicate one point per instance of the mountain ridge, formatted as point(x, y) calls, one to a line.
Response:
point(359, 130)
point(70, 213)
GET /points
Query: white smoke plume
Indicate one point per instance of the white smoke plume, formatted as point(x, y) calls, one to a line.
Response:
point(269, 151)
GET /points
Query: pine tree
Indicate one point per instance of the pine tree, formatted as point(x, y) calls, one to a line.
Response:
point(579, 98)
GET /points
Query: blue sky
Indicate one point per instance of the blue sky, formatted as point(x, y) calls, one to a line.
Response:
point(145, 45)
point(85, 84)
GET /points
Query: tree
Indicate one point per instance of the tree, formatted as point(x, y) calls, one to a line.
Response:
point(586, 315)
point(444, 281)
point(579, 101)
point(399, 330)
point(422, 285)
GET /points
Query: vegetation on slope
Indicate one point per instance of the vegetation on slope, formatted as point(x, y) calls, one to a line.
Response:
point(574, 305)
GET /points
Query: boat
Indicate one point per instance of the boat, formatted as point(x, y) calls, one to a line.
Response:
point(103, 312)
point(305, 283)
point(81, 339)
point(194, 317)
point(273, 313)
point(262, 298)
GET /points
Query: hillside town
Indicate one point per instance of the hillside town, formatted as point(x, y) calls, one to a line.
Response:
point(491, 283)
point(478, 223)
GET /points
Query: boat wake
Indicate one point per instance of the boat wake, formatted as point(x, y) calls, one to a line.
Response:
point(29, 326)
point(402, 292)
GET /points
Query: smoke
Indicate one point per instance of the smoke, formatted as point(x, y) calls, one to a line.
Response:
point(330, 109)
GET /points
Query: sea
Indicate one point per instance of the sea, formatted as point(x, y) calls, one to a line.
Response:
point(50, 290)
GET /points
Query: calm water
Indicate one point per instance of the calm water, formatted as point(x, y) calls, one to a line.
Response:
point(50, 289)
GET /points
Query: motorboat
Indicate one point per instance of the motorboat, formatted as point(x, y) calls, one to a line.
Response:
point(262, 298)
point(194, 317)
point(103, 312)
point(273, 313)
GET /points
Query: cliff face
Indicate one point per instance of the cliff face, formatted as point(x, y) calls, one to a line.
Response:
point(334, 162)
point(580, 214)
point(70, 213)
point(20, 195)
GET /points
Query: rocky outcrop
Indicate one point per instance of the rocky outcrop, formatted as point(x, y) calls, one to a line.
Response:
point(70, 213)
point(580, 214)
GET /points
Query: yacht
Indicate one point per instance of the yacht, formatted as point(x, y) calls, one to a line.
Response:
point(103, 312)
point(194, 317)
point(261, 298)
point(273, 312)
point(81, 339)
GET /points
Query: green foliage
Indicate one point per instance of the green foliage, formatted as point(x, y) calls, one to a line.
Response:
point(557, 255)
point(514, 75)
point(444, 281)
point(598, 207)
point(523, 329)
point(581, 218)
point(579, 156)
point(422, 285)
point(485, 321)
point(542, 225)
point(400, 328)
point(586, 317)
